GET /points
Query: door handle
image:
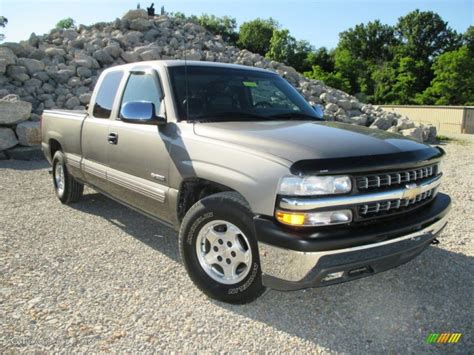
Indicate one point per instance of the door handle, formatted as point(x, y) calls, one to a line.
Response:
point(112, 138)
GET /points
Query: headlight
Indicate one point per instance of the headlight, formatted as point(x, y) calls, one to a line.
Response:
point(308, 219)
point(314, 185)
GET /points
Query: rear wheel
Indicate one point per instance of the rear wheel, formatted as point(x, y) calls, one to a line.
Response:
point(67, 189)
point(219, 248)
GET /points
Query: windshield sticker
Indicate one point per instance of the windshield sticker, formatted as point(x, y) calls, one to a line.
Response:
point(250, 84)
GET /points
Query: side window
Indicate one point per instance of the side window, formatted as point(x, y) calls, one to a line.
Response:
point(106, 94)
point(142, 87)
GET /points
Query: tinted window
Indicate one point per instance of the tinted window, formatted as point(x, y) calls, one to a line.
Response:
point(142, 87)
point(203, 92)
point(106, 94)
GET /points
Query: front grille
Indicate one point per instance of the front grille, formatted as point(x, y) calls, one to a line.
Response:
point(392, 179)
point(376, 209)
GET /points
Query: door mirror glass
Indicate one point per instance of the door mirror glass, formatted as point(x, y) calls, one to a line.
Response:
point(140, 112)
point(319, 109)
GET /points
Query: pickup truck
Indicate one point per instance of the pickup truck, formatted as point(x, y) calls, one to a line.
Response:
point(264, 193)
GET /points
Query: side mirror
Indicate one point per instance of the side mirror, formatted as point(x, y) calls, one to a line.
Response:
point(141, 112)
point(319, 109)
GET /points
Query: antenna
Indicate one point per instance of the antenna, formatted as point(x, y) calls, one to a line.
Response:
point(186, 79)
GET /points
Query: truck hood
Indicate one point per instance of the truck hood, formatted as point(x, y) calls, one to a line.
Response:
point(305, 140)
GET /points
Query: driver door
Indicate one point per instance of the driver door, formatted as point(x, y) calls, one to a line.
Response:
point(139, 159)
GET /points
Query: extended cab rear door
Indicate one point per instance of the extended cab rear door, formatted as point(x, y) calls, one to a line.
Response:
point(139, 160)
point(95, 130)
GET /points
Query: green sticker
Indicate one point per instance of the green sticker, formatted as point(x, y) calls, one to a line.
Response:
point(250, 84)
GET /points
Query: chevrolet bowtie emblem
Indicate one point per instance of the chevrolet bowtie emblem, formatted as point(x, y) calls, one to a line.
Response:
point(412, 190)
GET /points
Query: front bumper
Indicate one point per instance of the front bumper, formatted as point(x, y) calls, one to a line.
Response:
point(295, 259)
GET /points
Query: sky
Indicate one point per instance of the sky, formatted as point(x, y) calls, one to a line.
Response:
point(318, 22)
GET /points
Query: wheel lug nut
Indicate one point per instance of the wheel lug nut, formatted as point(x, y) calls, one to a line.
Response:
point(221, 241)
point(229, 244)
point(227, 261)
point(216, 248)
point(233, 254)
point(219, 258)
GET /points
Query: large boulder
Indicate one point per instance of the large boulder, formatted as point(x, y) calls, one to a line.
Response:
point(29, 133)
point(135, 14)
point(7, 138)
point(13, 110)
point(32, 65)
point(416, 133)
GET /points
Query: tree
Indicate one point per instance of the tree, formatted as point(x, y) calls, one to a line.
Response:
point(397, 82)
point(285, 48)
point(281, 46)
point(468, 38)
point(333, 79)
point(65, 23)
point(373, 42)
point(3, 23)
point(425, 35)
point(224, 26)
point(322, 58)
point(255, 35)
point(453, 82)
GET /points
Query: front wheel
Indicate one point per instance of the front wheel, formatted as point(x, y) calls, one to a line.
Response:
point(219, 248)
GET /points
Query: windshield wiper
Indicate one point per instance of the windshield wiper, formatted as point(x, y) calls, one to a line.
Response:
point(290, 115)
point(228, 116)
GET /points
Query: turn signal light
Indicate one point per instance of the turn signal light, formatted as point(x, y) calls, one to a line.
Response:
point(293, 219)
point(312, 219)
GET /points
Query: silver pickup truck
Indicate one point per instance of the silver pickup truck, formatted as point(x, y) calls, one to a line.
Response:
point(263, 191)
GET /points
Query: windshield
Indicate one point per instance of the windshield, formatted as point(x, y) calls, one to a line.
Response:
point(224, 94)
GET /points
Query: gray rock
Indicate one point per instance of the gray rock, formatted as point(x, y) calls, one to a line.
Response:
point(405, 123)
point(7, 138)
point(52, 52)
point(70, 34)
point(37, 54)
point(331, 107)
point(16, 48)
point(32, 65)
point(345, 104)
point(151, 54)
point(140, 24)
point(72, 102)
point(359, 120)
point(85, 98)
point(416, 133)
point(7, 55)
point(17, 72)
point(129, 57)
point(62, 76)
point(28, 133)
point(382, 123)
point(135, 14)
point(25, 153)
point(103, 57)
point(114, 50)
point(3, 65)
point(84, 72)
point(13, 110)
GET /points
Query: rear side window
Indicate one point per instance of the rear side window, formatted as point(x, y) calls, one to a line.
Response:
point(142, 87)
point(106, 94)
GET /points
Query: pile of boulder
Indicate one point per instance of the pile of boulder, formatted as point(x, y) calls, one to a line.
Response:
point(60, 69)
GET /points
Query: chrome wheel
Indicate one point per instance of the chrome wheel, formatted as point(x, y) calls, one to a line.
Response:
point(224, 252)
point(59, 178)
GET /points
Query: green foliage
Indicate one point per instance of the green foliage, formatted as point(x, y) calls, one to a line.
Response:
point(334, 79)
point(322, 58)
point(373, 42)
point(425, 35)
point(65, 23)
point(468, 38)
point(3, 23)
point(255, 35)
point(453, 82)
point(397, 81)
point(224, 26)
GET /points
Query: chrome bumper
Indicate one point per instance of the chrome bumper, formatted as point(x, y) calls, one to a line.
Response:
point(295, 266)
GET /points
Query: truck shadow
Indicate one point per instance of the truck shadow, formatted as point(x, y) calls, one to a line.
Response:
point(394, 311)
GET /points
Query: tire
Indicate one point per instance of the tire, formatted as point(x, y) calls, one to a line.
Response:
point(67, 189)
point(226, 219)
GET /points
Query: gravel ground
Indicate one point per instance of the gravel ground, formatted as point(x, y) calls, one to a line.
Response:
point(97, 276)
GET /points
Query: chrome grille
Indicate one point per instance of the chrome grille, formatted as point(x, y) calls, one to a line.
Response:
point(389, 179)
point(392, 206)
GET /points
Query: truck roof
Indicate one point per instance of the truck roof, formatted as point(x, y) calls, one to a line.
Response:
point(177, 63)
